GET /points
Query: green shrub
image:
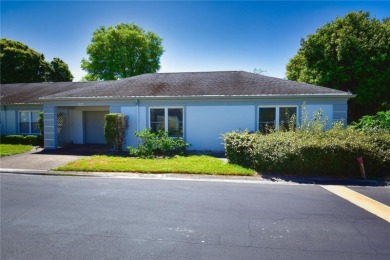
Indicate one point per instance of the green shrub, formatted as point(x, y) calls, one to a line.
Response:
point(329, 153)
point(239, 147)
point(378, 123)
point(115, 129)
point(21, 139)
point(41, 129)
point(157, 144)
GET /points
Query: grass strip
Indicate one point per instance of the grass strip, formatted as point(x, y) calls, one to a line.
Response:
point(179, 164)
point(10, 149)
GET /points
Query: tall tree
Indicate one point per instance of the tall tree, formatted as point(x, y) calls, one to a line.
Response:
point(21, 64)
point(60, 71)
point(352, 54)
point(122, 51)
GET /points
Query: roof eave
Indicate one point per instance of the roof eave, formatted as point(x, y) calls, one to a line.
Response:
point(271, 96)
point(21, 103)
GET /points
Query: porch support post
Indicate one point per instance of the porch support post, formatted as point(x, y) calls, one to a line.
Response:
point(50, 126)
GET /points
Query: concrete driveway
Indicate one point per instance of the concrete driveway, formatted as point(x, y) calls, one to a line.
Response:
point(40, 159)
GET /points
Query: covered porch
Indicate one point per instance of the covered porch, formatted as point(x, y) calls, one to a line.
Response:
point(64, 125)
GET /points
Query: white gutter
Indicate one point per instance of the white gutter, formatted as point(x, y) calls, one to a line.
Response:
point(292, 96)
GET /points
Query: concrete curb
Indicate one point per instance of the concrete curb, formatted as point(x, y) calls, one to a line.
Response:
point(205, 178)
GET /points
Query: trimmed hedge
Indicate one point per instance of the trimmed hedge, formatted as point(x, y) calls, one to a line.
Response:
point(21, 139)
point(115, 129)
point(329, 153)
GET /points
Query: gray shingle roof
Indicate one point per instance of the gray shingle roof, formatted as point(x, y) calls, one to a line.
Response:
point(30, 93)
point(185, 84)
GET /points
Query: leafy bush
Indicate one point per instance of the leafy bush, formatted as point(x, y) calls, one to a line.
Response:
point(20, 139)
point(40, 123)
point(41, 128)
point(329, 153)
point(379, 122)
point(157, 144)
point(115, 129)
point(239, 147)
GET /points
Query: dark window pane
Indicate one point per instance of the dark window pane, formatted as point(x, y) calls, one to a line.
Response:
point(175, 122)
point(157, 119)
point(267, 116)
point(24, 127)
point(285, 114)
point(34, 123)
point(24, 122)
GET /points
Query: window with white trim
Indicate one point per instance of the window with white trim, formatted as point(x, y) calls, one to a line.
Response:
point(168, 119)
point(28, 122)
point(276, 116)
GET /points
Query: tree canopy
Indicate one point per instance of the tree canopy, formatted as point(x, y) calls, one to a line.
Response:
point(352, 54)
point(21, 64)
point(122, 51)
point(60, 71)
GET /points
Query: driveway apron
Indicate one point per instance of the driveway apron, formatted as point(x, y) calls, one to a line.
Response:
point(39, 159)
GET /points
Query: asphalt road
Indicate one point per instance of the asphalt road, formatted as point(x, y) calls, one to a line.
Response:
point(52, 217)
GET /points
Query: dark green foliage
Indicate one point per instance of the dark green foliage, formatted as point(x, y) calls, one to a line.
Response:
point(60, 71)
point(40, 123)
point(378, 123)
point(41, 128)
point(21, 64)
point(20, 139)
point(157, 144)
point(115, 129)
point(329, 153)
point(122, 51)
point(239, 147)
point(351, 53)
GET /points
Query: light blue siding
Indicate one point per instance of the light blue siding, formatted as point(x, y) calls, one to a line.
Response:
point(50, 126)
point(340, 112)
point(131, 112)
point(9, 117)
point(205, 120)
point(205, 124)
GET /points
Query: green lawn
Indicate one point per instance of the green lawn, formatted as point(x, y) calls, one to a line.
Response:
point(10, 149)
point(192, 164)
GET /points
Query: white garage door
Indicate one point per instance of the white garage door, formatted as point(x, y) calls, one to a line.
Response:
point(94, 127)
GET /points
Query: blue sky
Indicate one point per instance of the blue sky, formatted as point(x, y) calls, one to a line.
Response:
point(197, 36)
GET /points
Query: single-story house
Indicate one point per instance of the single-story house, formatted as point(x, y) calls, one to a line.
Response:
point(197, 106)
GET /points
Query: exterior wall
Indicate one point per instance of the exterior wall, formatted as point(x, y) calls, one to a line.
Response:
point(206, 123)
point(204, 120)
point(340, 112)
point(50, 126)
point(132, 112)
point(327, 110)
point(9, 117)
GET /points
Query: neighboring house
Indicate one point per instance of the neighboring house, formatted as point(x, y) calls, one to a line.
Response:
point(198, 106)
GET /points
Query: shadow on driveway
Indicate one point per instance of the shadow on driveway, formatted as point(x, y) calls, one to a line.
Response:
point(77, 149)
